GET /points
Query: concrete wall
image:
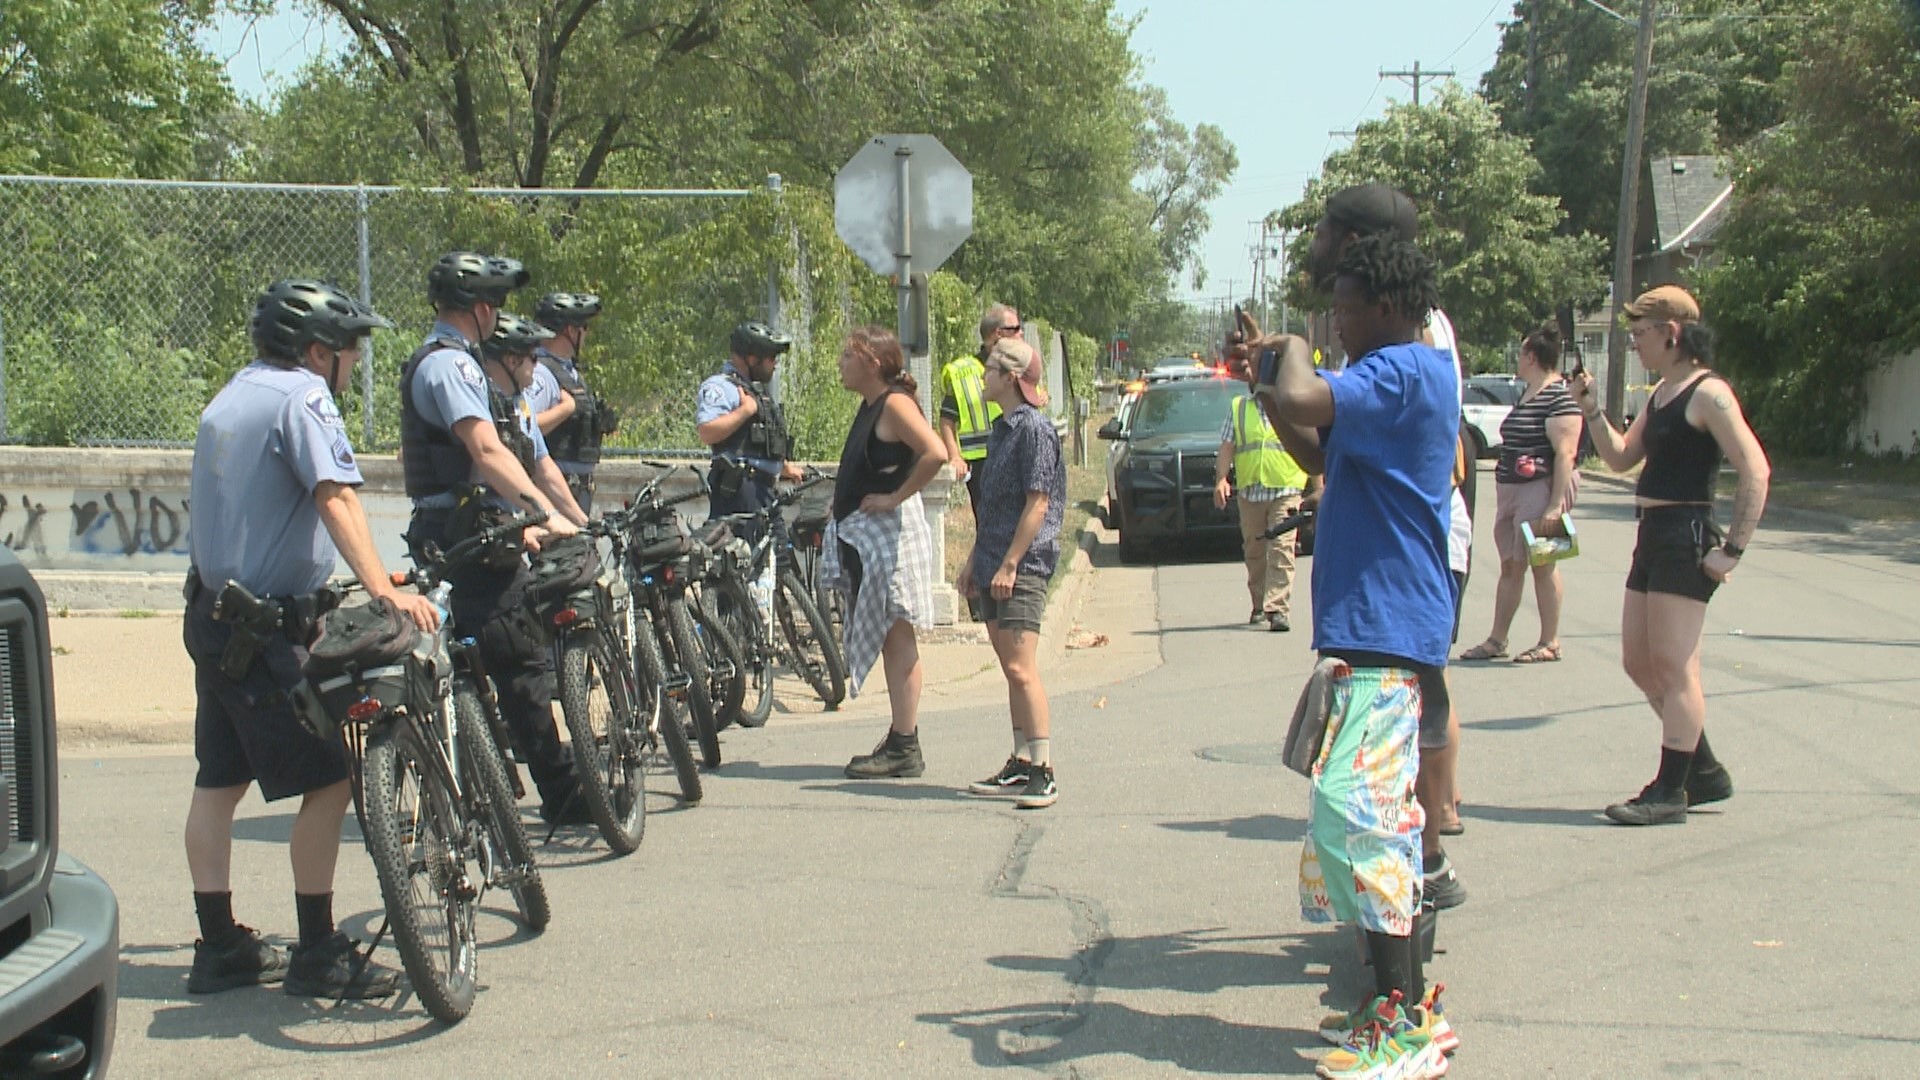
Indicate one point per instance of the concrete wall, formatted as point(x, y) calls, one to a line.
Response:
point(1891, 420)
point(109, 528)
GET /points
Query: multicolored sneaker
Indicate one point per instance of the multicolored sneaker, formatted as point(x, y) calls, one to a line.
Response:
point(1444, 1038)
point(1389, 1044)
point(1335, 1027)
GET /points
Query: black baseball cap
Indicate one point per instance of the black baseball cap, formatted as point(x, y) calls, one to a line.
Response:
point(1370, 209)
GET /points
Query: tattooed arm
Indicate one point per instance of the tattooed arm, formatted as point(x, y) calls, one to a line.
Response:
point(1715, 409)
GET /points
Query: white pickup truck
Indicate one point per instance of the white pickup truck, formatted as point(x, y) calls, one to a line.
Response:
point(1484, 403)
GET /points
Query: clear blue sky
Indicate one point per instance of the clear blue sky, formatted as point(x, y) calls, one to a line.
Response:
point(1300, 69)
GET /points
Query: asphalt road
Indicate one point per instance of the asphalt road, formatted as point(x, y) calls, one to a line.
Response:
point(803, 925)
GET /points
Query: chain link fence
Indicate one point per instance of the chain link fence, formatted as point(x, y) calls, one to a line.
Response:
point(124, 304)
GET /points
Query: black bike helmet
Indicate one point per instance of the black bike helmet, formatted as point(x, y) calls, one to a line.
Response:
point(758, 339)
point(566, 309)
point(294, 313)
point(461, 279)
point(513, 336)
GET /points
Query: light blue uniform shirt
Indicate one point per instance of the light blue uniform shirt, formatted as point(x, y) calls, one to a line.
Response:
point(719, 395)
point(544, 393)
point(267, 440)
point(449, 387)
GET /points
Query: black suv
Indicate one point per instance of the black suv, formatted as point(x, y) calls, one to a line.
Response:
point(59, 923)
point(1162, 479)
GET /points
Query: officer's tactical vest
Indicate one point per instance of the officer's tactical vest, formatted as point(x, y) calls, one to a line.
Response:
point(578, 439)
point(432, 460)
point(764, 436)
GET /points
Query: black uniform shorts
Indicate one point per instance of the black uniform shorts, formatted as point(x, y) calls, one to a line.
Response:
point(245, 730)
point(1666, 557)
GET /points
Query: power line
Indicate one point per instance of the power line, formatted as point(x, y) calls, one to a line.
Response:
point(1483, 21)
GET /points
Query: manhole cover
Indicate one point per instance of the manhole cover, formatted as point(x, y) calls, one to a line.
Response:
point(1243, 753)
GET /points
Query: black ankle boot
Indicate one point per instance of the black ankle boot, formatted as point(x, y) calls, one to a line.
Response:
point(896, 756)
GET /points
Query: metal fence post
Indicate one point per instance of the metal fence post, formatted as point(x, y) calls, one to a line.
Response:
point(3, 378)
point(366, 297)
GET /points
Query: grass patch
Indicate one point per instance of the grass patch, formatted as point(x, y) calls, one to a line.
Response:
point(136, 613)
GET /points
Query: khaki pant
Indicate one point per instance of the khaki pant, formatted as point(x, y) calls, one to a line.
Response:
point(1269, 562)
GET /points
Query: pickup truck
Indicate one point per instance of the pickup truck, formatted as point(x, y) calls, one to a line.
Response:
point(59, 922)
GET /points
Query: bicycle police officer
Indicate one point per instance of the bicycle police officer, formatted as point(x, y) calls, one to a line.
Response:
point(509, 361)
point(273, 509)
point(573, 418)
point(457, 467)
point(738, 418)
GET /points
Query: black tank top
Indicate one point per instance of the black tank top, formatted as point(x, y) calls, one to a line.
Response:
point(1682, 460)
point(869, 465)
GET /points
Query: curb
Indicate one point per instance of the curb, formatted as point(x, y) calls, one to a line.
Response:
point(1056, 626)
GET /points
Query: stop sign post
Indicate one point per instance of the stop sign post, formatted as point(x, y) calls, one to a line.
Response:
point(904, 204)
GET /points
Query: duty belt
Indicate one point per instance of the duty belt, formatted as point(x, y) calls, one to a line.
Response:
point(298, 614)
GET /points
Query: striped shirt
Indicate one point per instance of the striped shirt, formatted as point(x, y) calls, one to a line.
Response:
point(1523, 434)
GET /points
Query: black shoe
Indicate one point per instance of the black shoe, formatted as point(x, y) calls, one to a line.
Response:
point(1441, 888)
point(1277, 623)
point(1010, 780)
point(1041, 791)
point(570, 810)
point(1651, 807)
point(244, 961)
point(896, 756)
point(1256, 618)
point(1709, 786)
point(335, 967)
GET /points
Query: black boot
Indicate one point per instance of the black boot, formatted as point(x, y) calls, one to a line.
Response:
point(897, 756)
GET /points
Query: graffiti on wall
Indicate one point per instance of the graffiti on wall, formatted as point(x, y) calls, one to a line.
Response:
point(92, 527)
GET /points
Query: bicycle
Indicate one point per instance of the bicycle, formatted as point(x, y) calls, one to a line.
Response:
point(809, 640)
point(582, 602)
point(430, 790)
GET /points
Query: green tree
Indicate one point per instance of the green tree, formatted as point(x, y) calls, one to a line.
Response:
point(1503, 263)
point(106, 87)
point(1819, 274)
point(1562, 74)
point(1182, 171)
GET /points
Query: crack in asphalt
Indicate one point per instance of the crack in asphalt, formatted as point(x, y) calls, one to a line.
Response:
point(1093, 946)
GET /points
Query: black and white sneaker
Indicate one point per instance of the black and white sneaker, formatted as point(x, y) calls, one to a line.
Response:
point(1041, 791)
point(1009, 781)
point(1441, 886)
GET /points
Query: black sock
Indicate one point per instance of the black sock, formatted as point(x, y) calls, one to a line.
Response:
point(1703, 759)
point(1674, 765)
point(316, 917)
point(1392, 965)
point(215, 911)
point(1432, 862)
point(1416, 988)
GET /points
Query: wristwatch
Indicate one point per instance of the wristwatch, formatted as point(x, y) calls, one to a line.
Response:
point(1732, 549)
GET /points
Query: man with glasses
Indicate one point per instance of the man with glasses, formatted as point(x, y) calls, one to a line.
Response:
point(966, 412)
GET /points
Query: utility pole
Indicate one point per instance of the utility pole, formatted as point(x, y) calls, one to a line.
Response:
point(1628, 225)
point(1415, 76)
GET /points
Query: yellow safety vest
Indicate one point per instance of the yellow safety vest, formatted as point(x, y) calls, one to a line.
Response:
point(1258, 458)
point(966, 379)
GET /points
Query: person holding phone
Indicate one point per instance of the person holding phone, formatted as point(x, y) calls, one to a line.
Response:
point(1681, 556)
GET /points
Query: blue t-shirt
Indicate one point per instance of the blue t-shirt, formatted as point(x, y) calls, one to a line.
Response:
point(544, 391)
point(268, 439)
point(1380, 578)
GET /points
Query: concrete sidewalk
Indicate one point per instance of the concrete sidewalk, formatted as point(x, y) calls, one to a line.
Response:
point(125, 681)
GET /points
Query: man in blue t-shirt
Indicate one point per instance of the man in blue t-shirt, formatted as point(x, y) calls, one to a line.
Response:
point(1383, 430)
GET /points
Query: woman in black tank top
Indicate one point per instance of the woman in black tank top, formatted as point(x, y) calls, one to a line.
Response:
point(1681, 555)
point(891, 454)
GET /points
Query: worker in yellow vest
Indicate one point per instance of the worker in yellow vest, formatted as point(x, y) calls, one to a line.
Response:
point(1270, 485)
point(966, 416)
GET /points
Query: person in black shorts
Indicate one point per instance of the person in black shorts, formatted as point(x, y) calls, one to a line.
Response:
point(274, 508)
point(1681, 555)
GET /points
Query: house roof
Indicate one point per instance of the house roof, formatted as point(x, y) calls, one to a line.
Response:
point(1690, 195)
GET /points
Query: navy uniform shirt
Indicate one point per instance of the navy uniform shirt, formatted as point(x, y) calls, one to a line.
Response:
point(268, 439)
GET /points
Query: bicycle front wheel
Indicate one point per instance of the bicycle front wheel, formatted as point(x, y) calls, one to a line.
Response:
point(660, 712)
point(414, 833)
point(512, 851)
point(810, 640)
point(593, 695)
point(726, 666)
point(729, 605)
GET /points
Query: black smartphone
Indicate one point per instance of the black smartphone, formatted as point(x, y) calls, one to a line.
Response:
point(1579, 367)
point(1269, 368)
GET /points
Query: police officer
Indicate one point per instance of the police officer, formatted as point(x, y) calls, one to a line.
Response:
point(510, 366)
point(573, 418)
point(273, 509)
point(966, 416)
point(739, 419)
point(457, 466)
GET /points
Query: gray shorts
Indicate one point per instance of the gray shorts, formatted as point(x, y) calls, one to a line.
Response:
point(1021, 611)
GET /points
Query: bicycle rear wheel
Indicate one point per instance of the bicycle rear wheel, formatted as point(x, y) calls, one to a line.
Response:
point(593, 695)
point(726, 666)
point(414, 833)
point(730, 606)
point(660, 713)
point(810, 640)
point(686, 650)
point(512, 852)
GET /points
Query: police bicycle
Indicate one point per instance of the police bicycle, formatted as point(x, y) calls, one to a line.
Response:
point(810, 645)
point(430, 787)
point(657, 555)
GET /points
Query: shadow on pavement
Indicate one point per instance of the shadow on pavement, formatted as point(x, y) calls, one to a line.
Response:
point(278, 829)
point(1535, 815)
point(1254, 827)
point(754, 770)
point(894, 789)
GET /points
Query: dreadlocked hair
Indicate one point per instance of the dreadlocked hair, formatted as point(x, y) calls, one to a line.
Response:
point(1394, 272)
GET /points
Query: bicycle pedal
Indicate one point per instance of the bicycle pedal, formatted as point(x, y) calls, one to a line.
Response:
point(678, 683)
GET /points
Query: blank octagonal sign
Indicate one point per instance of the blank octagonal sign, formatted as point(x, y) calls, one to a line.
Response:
point(866, 205)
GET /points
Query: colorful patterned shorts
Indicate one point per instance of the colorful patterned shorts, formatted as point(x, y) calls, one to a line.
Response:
point(1360, 862)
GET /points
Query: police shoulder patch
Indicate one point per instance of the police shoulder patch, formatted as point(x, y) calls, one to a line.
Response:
point(321, 405)
point(470, 372)
point(714, 392)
